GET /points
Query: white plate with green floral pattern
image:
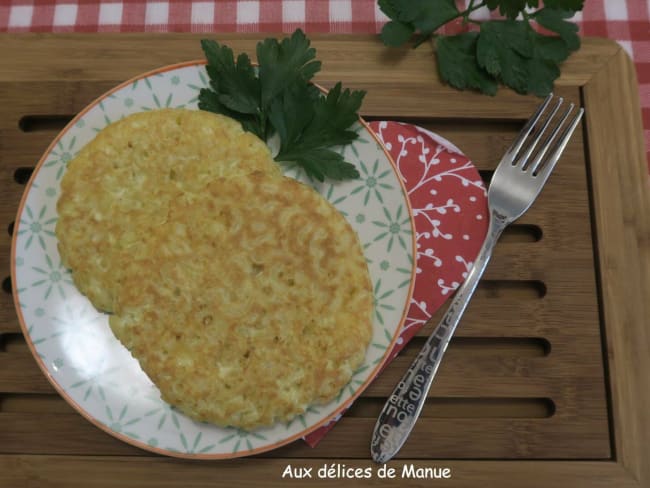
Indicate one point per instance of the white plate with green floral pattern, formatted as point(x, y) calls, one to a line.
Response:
point(73, 343)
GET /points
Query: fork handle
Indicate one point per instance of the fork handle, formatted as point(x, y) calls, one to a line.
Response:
point(404, 405)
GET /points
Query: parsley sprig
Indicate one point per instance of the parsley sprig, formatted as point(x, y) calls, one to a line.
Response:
point(277, 98)
point(510, 51)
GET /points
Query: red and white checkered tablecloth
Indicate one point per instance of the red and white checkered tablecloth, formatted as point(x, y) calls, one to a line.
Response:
point(626, 21)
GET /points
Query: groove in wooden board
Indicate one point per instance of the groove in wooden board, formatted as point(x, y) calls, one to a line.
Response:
point(46, 112)
point(45, 122)
point(158, 472)
point(522, 233)
point(504, 347)
point(561, 309)
point(14, 343)
point(23, 174)
point(490, 347)
point(557, 199)
point(498, 308)
point(437, 438)
point(460, 408)
point(516, 313)
point(516, 289)
point(485, 148)
point(363, 407)
point(486, 176)
point(478, 372)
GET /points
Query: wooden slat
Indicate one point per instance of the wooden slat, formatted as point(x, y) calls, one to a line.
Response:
point(622, 206)
point(502, 438)
point(364, 58)
point(156, 472)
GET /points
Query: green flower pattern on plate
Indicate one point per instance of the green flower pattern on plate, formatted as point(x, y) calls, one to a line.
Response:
point(61, 156)
point(75, 342)
point(196, 447)
point(374, 181)
point(243, 440)
point(120, 423)
point(37, 226)
point(354, 383)
point(163, 412)
point(96, 383)
point(382, 301)
point(301, 418)
point(394, 228)
point(52, 277)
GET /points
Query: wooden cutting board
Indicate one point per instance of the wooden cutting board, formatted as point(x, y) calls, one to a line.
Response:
point(547, 381)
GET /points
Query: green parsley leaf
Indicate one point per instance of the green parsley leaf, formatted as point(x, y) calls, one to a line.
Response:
point(511, 8)
point(458, 66)
point(520, 57)
point(555, 20)
point(234, 86)
point(502, 49)
point(550, 48)
point(278, 98)
point(573, 5)
point(396, 33)
point(308, 132)
point(509, 50)
point(284, 63)
point(541, 75)
point(209, 100)
point(428, 15)
point(542, 66)
point(389, 7)
point(424, 16)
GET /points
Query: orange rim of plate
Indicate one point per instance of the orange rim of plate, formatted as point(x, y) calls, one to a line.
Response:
point(143, 445)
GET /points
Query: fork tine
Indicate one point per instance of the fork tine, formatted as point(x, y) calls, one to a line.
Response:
point(523, 160)
point(535, 165)
point(519, 141)
point(548, 165)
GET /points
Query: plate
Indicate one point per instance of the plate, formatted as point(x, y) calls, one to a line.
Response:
point(89, 367)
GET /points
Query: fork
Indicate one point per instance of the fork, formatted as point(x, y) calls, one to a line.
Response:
point(516, 183)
